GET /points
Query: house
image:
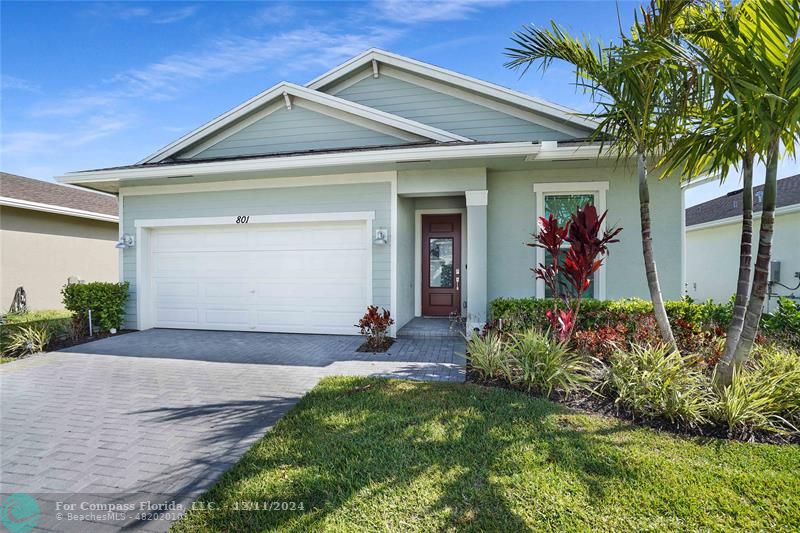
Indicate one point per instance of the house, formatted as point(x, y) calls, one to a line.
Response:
point(714, 230)
point(384, 181)
point(49, 233)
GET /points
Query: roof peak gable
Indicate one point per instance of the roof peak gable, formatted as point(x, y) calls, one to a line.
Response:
point(570, 118)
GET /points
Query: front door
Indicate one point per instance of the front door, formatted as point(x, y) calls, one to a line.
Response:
point(441, 265)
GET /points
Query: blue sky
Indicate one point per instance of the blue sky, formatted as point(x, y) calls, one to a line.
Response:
point(87, 85)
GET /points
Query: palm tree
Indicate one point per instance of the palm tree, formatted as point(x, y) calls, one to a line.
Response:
point(630, 102)
point(751, 53)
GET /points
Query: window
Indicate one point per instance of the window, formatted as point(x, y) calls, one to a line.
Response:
point(440, 262)
point(562, 199)
point(562, 206)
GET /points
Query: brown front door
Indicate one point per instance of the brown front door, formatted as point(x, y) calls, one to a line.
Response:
point(441, 265)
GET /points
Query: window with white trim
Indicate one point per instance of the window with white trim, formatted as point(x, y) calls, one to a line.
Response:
point(561, 200)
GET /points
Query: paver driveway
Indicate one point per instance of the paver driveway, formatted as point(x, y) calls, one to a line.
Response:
point(159, 415)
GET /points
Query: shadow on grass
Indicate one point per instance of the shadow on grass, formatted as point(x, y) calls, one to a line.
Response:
point(355, 450)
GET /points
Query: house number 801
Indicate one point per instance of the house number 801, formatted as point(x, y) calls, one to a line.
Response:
point(243, 219)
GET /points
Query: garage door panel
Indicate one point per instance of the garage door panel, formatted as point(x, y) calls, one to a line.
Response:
point(300, 277)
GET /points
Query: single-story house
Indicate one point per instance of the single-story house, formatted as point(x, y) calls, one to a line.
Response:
point(384, 181)
point(713, 235)
point(49, 233)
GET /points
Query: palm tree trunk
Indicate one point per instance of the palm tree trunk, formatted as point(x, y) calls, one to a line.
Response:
point(758, 289)
point(649, 259)
point(745, 260)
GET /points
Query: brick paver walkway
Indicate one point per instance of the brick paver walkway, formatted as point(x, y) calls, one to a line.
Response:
point(159, 415)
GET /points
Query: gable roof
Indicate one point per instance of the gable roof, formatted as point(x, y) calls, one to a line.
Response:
point(376, 57)
point(282, 94)
point(27, 193)
point(730, 205)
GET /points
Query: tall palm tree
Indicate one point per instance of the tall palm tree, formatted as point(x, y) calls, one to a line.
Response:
point(630, 103)
point(751, 53)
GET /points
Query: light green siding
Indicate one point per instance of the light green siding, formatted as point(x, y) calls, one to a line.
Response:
point(512, 213)
point(319, 199)
point(295, 130)
point(444, 111)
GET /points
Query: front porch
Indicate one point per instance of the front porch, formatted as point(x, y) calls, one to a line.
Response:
point(455, 283)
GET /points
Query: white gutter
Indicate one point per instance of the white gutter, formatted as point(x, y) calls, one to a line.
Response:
point(785, 210)
point(57, 209)
point(396, 155)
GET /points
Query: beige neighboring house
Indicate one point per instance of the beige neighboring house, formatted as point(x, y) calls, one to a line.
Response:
point(49, 232)
point(713, 233)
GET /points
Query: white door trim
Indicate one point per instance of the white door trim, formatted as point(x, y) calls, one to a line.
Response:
point(418, 251)
point(596, 188)
point(144, 228)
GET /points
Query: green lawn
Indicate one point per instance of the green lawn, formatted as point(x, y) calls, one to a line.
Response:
point(364, 453)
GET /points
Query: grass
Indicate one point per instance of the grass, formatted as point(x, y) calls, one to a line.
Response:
point(6, 359)
point(36, 316)
point(367, 453)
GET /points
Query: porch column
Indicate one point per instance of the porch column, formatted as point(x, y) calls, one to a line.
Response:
point(476, 258)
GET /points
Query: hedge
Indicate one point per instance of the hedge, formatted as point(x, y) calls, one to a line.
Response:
point(105, 300)
point(527, 312)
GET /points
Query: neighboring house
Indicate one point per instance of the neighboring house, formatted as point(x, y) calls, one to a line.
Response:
point(49, 232)
point(713, 236)
point(385, 181)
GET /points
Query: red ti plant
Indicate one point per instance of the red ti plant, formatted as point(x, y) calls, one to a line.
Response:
point(373, 325)
point(588, 247)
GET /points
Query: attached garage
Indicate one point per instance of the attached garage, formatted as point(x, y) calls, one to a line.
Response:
point(264, 273)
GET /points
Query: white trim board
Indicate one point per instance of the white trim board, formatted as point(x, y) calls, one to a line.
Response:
point(418, 251)
point(144, 229)
point(56, 209)
point(566, 115)
point(263, 183)
point(283, 89)
point(391, 156)
point(597, 188)
point(255, 219)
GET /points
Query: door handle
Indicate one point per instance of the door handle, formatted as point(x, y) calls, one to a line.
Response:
point(458, 281)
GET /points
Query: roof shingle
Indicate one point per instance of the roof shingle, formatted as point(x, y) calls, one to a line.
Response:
point(730, 205)
point(31, 190)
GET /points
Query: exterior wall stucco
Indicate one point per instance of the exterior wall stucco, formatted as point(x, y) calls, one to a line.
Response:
point(405, 260)
point(512, 219)
point(269, 201)
point(712, 257)
point(39, 251)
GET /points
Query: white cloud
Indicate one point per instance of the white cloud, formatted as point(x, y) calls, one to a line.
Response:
point(415, 11)
point(169, 17)
point(119, 11)
point(8, 83)
point(274, 14)
point(22, 143)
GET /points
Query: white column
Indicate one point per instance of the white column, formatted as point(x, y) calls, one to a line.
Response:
point(476, 258)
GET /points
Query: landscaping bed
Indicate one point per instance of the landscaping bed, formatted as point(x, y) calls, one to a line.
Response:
point(615, 364)
point(368, 453)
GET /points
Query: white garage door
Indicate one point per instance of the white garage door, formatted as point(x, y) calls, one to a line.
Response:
point(297, 277)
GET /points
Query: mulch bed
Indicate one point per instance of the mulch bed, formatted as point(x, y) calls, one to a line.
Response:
point(592, 403)
point(66, 342)
point(366, 348)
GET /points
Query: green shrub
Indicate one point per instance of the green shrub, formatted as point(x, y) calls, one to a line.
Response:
point(544, 365)
point(657, 382)
point(522, 313)
point(783, 324)
point(105, 300)
point(55, 321)
point(28, 339)
point(488, 357)
point(763, 395)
